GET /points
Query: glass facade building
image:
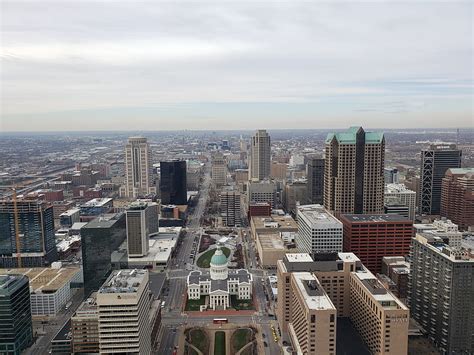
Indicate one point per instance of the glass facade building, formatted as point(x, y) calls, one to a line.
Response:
point(173, 189)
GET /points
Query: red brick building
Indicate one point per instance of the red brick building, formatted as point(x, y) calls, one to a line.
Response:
point(259, 209)
point(371, 237)
point(457, 197)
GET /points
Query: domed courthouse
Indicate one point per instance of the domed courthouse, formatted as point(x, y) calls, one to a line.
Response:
point(220, 283)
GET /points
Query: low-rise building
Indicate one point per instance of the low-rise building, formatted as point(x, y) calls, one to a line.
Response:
point(272, 224)
point(271, 247)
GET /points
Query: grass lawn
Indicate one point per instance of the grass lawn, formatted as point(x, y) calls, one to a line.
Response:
point(199, 339)
point(241, 305)
point(193, 305)
point(240, 338)
point(205, 259)
point(219, 344)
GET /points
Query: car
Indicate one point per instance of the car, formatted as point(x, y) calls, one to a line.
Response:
point(265, 344)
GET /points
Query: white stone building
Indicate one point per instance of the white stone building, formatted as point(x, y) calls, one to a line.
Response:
point(220, 283)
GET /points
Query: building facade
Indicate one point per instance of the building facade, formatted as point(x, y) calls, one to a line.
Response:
point(230, 208)
point(138, 168)
point(173, 189)
point(142, 221)
point(399, 194)
point(85, 327)
point(391, 176)
point(294, 193)
point(371, 237)
point(434, 163)
point(457, 197)
point(259, 165)
point(354, 172)
point(37, 242)
point(262, 191)
point(441, 293)
point(315, 177)
point(218, 169)
point(16, 330)
point(318, 230)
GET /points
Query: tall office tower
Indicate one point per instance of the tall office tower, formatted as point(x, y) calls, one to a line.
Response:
point(99, 239)
point(173, 189)
point(294, 193)
point(36, 233)
point(457, 197)
point(243, 144)
point(371, 237)
point(124, 306)
point(138, 167)
point(441, 293)
point(16, 330)
point(315, 176)
point(391, 176)
point(353, 171)
point(318, 230)
point(218, 169)
point(259, 165)
point(142, 221)
point(85, 327)
point(401, 195)
point(377, 315)
point(434, 163)
point(230, 208)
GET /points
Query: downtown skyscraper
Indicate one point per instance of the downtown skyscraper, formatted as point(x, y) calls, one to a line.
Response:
point(354, 171)
point(138, 168)
point(259, 165)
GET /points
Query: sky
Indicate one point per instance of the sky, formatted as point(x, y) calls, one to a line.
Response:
point(166, 65)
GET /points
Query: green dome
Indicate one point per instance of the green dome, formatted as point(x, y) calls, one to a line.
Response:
point(218, 258)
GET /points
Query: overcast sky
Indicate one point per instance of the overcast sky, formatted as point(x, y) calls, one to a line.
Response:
point(128, 65)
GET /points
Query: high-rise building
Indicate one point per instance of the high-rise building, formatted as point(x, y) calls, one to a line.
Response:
point(138, 167)
point(348, 290)
point(441, 293)
point(230, 208)
point(259, 165)
point(391, 176)
point(457, 197)
point(278, 171)
point(36, 233)
point(173, 182)
point(354, 171)
point(318, 230)
point(399, 194)
point(371, 237)
point(294, 193)
point(124, 305)
point(85, 327)
point(142, 221)
point(16, 331)
point(99, 238)
point(218, 169)
point(262, 191)
point(315, 176)
point(434, 163)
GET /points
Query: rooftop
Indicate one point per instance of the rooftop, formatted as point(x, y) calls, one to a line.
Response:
point(317, 216)
point(274, 222)
point(124, 281)
point(299, 258)
point(369, 218)
point(313, 293)
point(349, 136)
point(97, 202)
point(398, 188)
point(70, 212)
point(271, 241)
point(104, 221)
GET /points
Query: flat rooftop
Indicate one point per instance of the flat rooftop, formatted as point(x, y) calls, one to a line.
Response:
point(271, 241)
point(123, 281)
point(299, 258)
point(313, 293)
point(46, 279)
point(88, 307)
point(349, 257)
point(104, 221)
point(70, 212)
point(317, 216)
point(274, 222)
point(398, 188)
point(97, 202)
point(370, 218)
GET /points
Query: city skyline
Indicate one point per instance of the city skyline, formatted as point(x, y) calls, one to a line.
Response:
point(235, 66)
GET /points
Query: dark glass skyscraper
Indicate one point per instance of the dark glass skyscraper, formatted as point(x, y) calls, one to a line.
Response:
point(173, 182)
point(16, 331)
point(435, 161)
point(315, 186)
point(36, 230)
point(99, 239)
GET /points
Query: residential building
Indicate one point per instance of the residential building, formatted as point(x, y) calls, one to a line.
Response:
point(173, 182)
point(220, 283)
point(435, 161)
point(294, 193)
point(99, 238)
point(354, 292)
point(142, 221)
point(391, 176)
point(315, 176)
point(441, 293)
point(218, 169)
point(371, 237)
point(399, 194)
point(138, 168)
point(259, 165)
point(124, 304)
point(457, 197)
point(230, 208)
point(353, 172)
point(443, 229)
point(318, 230)
point(397, 269)
point(16, 330)
point(37, 243)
